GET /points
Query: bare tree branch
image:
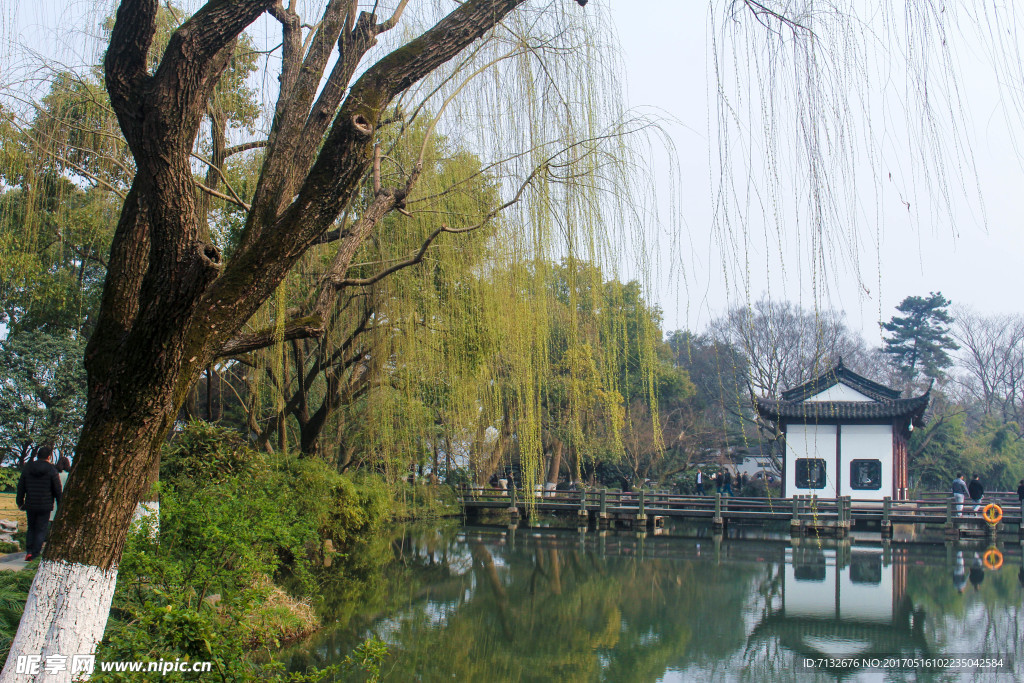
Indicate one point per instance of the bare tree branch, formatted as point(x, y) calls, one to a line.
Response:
point(244, 147)
point(220, 195)
point(234, 198)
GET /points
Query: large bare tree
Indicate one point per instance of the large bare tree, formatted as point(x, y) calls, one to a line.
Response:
point(990, 366)
point(172, 302)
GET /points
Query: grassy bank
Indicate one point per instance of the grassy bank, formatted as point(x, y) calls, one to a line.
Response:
point(246, 543)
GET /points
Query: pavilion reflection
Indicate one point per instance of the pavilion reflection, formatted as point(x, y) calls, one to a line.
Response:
point(842, 602)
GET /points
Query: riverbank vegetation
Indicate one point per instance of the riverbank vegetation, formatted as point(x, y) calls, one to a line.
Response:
point(247, 542)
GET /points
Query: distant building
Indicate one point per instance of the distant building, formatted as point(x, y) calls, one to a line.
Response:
point(845, 435)
point(757, 463)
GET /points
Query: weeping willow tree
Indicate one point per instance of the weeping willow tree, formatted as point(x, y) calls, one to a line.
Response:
point(200, 262)
point(469, 355)
point(236, 236)
point(827, 113)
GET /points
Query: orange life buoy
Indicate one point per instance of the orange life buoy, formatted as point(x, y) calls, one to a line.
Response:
point(993, 558)
point(992, 513)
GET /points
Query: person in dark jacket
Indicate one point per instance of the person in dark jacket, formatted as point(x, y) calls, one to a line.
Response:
point(38, 489)
point(727, 483)
point(976, 491)
point(1020, 494)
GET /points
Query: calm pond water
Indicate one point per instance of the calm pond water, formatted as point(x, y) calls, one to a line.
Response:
point(490, 604)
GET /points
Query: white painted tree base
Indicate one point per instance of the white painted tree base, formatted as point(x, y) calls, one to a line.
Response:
point(65, 614)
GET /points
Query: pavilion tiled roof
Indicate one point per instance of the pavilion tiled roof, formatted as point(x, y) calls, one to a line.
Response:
point(844, 410)
point(841, 374)
point(885, 403)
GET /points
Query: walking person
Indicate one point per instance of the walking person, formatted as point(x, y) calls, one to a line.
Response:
point(959, 491)
point(976, 491)
point(38, 489)
point(727, 483)
point(700, 482)
point(1020, 496)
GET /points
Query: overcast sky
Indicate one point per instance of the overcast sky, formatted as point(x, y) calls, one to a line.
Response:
point(973, 259)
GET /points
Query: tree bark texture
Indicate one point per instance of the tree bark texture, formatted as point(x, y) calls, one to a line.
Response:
point(555, 465)
point(169, 304)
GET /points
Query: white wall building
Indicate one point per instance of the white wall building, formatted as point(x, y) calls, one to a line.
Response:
point(845, 436)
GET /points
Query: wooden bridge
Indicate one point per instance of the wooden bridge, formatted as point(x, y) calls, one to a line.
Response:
point(606, 509)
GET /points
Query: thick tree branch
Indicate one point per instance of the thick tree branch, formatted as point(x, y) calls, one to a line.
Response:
point(125, 61)
point(195, 43)
point(301, 73)
point(198, 51)
point(244, 147)
point(302, 328)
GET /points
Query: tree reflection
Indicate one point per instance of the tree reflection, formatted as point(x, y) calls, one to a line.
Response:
point(489, 604)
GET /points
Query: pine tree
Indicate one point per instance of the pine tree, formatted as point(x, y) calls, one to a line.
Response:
point(920, 340)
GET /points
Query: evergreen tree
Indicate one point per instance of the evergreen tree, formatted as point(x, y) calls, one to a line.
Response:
point(919, 340)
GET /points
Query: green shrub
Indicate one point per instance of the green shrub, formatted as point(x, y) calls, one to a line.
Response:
point(9, 479)
point(13, 594)
point(239, 556)
point(238, 562)
point(205, 452)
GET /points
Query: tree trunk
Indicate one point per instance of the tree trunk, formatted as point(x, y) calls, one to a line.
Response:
point(209, 393)
point(447, 457)
point(555, 466)
point(169, 304)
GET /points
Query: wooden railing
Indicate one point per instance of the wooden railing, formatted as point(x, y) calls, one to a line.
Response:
point(929, 509)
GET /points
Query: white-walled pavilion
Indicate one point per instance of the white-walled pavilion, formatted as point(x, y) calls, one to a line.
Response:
point(845, 436)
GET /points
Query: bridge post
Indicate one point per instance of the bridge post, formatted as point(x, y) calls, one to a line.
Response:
point(886, 514)
point(513, 509)
point(717, 523)
point(794, 521)
point(582, 512)
point(602, 515)
point(845, 517)
point(952, 531)
point(641, 517)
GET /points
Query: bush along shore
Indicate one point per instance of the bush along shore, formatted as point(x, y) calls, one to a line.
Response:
point(246, 543)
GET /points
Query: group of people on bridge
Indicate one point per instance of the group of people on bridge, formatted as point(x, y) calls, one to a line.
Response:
point(975, 490)
point(722, 481)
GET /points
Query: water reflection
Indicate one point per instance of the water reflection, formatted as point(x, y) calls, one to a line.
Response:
point(491, 604)
point(844, 603)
